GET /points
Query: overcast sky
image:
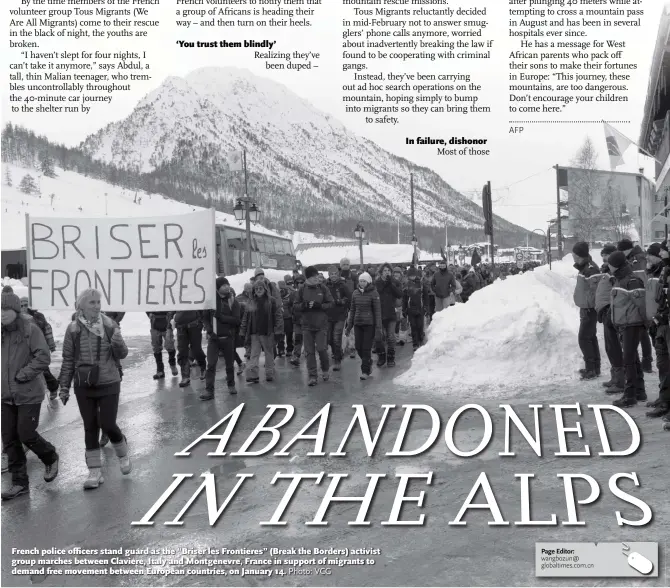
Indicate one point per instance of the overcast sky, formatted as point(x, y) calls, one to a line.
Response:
point(530, 202)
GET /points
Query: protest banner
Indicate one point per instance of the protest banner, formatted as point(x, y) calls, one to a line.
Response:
point(138, 264)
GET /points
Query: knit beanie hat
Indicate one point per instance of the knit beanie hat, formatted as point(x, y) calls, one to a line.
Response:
point(625, 245)
point(259, 272)
point(310, 272)
point(222, 282)
point(397, 270)
point(581, 249)
point(10, 301)
point(607, 249)
point(365, 276)
point(654, 249)
point(617, 259)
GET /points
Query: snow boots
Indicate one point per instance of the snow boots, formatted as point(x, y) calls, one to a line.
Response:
point(121, 450)
point(337, 366)
point(172, 362)
point(185, 375)
point(15, 490)
point(390, 359)
point(51, 470)
point(617, 382)
point(203, 373)
point(660, 409)
point(160, 368)
point(381, 358)
point(94, 463)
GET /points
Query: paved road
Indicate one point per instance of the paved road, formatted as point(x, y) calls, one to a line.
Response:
point(161, 419)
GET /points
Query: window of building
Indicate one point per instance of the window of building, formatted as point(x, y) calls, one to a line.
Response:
point(659, 234)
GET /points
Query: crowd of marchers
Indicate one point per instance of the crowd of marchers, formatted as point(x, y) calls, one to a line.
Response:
point(304, 315)
point(628, 295)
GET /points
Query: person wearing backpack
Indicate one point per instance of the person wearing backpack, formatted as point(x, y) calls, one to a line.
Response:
point(337, 314)
point(25, 356)
point(161, 332)
point(92, 348)
point(45, 327)
point(315, 301)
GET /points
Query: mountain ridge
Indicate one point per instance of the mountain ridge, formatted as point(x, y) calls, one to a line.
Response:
point(305, 168)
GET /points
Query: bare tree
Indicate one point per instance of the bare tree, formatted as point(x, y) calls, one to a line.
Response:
point(617, 220)
point(585, 212)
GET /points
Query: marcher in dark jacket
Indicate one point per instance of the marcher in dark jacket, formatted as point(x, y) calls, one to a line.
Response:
point(389, 291)
point(604, 310)
point(221, 326)
point(117, 317)
point(262, 321)
point(337, 314)
point(629, 317)
point(469, 284)
point(348, 276)
point(25, 356)
point(444, 286)
point(315, 301)
point(189, 343)
point(584, 298)
point(93, 344)
point(414, 304)
point(365, 318)
point(45, 327)
point(162, 333)
point(285, 344)
point(637, 259)
point(659, 330)
point(297, 321)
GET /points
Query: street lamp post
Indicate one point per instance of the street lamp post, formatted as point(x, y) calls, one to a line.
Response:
point(359, 233)
point(247, 210)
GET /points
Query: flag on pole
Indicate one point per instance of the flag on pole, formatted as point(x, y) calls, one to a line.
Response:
point(616, 145)
point(235, 161)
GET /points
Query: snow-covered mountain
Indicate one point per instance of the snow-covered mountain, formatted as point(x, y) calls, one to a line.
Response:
point(303, 164)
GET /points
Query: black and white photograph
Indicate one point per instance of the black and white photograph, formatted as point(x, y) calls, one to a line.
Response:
point(365, 292)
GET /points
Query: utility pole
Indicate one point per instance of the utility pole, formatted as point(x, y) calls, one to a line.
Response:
point(446, 239)
point(411, 195)
point(559, 232)
point(246, 208)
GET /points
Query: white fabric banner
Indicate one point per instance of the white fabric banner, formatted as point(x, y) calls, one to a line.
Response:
point(138, 264)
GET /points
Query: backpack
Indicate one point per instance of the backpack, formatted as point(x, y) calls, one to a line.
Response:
point(39, 318)
point(160, 323)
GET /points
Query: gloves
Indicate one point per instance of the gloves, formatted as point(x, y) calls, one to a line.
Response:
point(314, 305)
point(20, 378)
point(64, 395)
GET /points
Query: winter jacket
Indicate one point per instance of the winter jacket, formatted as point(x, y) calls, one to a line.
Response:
point(186, 318)
point(117, 317)
point(469, 285)
point(341, 297)
point(389, 291)
point(587, 283)
point(112, 350)
point(350, 279)
point(45, 327)
point(275, 320)
point(316, 317)
point(287, 302)
point(603, 296)
point(160, 321)
point(273, 289)
point(443, 283)
point(295, 306)
point(652, 288)
point(638, 261)
point(365, 308)
point(415, 299)
point(663, 309)
point(25, 356)
point(226, 319)
point(628, 299)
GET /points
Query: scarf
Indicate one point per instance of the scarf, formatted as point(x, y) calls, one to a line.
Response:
point(94, 327)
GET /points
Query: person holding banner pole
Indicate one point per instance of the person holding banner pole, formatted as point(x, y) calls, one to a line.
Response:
point(92, 348)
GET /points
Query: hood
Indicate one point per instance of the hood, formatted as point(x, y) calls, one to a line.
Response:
point(637, 250)
point(266, 287)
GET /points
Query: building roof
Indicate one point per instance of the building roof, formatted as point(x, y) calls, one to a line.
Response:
point(655, 77)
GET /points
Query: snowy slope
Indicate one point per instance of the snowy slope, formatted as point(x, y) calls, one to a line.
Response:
point(374, 253)
point(300, 157)
point(516, 334)
point(72, 191)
